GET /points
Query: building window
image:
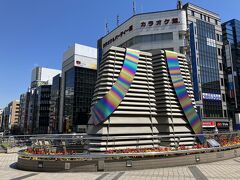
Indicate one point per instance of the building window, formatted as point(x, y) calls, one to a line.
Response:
point(220, 66)
point(192, 12)
point(216, 21)
point(219, 52)
point(223, 97)
point(201, 16)
point(208, 19)
point(225, 113)
point(222, 82)
point(205, 18)
point(218, 37)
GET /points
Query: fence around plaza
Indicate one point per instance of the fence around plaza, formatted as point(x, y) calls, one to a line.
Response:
point(69, 152)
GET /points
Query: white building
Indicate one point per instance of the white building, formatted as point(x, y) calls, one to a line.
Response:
point(149, 32)
point(42, 75)
point(77, 86)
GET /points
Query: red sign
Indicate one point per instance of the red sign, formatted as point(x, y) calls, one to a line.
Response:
point(208, 124)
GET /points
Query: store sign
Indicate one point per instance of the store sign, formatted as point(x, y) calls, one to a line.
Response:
point(122, 33)
point(86, 63)
point(159, 22)
point(222, 124)
point(208, 124)
point(211, 96)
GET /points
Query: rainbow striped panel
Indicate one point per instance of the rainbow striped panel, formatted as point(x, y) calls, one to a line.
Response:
point(109, 103)
point(182, 94)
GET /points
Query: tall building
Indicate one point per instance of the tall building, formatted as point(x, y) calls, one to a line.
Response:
point(55, 104)
point(40, 76)
point(1, 119)
point(43, 76)
point(205, 54)
point(5, 117)
point(23, 112)
point(42, 96)
point(77, 86)
point(13, 117)
point(231, 40)
point(190, 30)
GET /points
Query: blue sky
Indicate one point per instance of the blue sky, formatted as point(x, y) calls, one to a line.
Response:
point(37, 32)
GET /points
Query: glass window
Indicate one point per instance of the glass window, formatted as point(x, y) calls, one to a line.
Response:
point(223, 97)
point(225, 113)
point(192, 13)
point(219, 52)
point(222, 82)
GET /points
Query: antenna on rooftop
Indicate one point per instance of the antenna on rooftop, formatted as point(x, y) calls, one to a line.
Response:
point(179, 4)
point(106, 27)
point(134, 8)
point(117, 20)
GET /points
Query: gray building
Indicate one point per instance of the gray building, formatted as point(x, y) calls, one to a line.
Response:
point(40, 76)
point(41, 109)
point(23, 112)
point(190, 30)
point(148, 32)
point(205, 54)
point(43, 76)
point(55, 104)
point(1, 118)
point(77, 86)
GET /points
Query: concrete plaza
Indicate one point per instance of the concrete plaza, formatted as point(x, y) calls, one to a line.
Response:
point(228, 169)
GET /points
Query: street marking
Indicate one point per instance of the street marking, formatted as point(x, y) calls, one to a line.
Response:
point(197, 173)
point(24, 177)
point(118, 175)
point(102, 176)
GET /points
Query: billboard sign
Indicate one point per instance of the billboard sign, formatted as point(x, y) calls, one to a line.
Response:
point(211, 96)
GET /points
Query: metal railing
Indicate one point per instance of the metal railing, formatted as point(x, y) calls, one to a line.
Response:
point(77, 145)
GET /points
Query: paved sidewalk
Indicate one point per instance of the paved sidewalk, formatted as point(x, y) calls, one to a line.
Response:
point(228, 169)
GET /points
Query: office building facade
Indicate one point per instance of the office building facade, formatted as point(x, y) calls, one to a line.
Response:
point(43, 76)
point(12, 117)
point(42, 95)
point(231, 40)
point(23, 112)
point(40, 76)
point(55, 104)
point(149, 32)
point(1, 119)
point(190, 30)
point(77, 86)
point(205, 54)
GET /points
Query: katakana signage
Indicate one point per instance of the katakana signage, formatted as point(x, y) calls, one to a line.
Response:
point(159, 22)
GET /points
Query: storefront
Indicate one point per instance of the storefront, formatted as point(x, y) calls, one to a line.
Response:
point(208, 126)
point(222, 126)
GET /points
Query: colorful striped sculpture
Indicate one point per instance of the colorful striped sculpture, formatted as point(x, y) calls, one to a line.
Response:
point(109, 103)
point(182, 94)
